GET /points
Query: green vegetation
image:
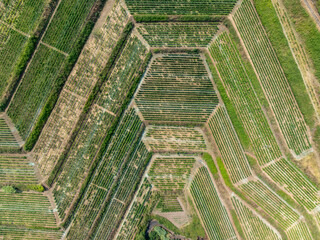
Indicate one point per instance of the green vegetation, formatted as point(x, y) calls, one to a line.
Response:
point(181, 18)
point(224, 173)
point(181, 7)
point(306, 28)
point(280, 44)
point(9, 189)
point(238, 125)
point(60, 80)
point(212, 167)
point(237, 223)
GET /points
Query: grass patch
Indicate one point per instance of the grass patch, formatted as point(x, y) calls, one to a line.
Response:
point(243, 137)
point(280, 44)
point(224, 173)
point(212, 167)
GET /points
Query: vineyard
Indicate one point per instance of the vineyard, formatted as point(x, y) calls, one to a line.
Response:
point(80, 83)
point(177, 7)
point(16, 170)
point(167, 119)
point(210, 207)
point(177, 88)
point(7, 140)
point(268, 68)
point(178, 34)
point(254, 226)
point(174, 139)
point(230, 148)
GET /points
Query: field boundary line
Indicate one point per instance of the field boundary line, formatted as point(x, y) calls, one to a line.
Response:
point(53, 48)
point(15, 29)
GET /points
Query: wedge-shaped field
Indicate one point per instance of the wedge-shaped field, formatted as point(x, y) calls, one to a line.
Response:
point(177, 88)
point(77, 89)
point(178, 34)
point(272, 78)
point(34, 210)
point(169, 175)
point(7, 139)
point(174, 139)
point(138, 208)
point(299, 232)
point(211, 210)
point(16, 233)
point(229, 145)
point(254, 227)
point(16, 170)
point(177, 7)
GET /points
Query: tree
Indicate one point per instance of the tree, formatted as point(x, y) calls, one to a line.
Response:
point(9, 189)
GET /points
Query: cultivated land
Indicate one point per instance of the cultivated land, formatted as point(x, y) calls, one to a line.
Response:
point(127, 119)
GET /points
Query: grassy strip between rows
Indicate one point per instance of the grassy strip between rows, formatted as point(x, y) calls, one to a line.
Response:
point(107, 139)
point(103, 77)
point(271, 23)
point(309, 219)
point(229, 184)
point(26, 55)
point(182, 18)
point(63, 76)
point(239, 128)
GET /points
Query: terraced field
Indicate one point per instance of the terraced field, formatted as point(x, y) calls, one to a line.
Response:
point(16, 170)
point(253, 225)
point(174, 139)
point(7, 140)
point(178, 34)
point(177, 88)
point(268, 68)
point(168, 119)
point(211, 209)
point(79, 85)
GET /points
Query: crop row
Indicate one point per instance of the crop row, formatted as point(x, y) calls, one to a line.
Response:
point(44, 77)
point(272, 78)
point(177, 87)
point(16, 170)
point(299, 231)
point(254, 227)
point(6, 137)
point(270, 202)
point(181, 7)
point(26, 209)
point(299, 53)
point(111, 166)
point(174, 139)
point(22, 14)
point(135, 214)
point(115, 210)
point(239, 89)
point(229, 145)
point(212, 212)
point(80, 83)
point(178, 34)
point(11, 45)
point(99, 121)
point(288, 176)
point(67, 23)
point(17, 233)
point(35, 89)
point(237, 82)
